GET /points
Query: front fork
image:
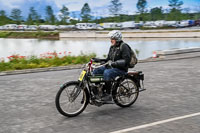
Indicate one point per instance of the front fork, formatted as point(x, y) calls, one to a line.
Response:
point(74, 94)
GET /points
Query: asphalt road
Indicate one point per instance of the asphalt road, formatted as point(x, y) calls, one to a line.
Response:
point(173, 90)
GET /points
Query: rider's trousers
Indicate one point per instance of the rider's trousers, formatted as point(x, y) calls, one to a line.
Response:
point(109, 74)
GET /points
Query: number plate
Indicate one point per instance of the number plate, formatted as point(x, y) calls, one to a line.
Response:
point(82, 75)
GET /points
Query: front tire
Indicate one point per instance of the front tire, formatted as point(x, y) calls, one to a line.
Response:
point(126, 93)
point(71, 100)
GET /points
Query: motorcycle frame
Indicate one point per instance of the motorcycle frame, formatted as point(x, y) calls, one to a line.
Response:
point(86, 81)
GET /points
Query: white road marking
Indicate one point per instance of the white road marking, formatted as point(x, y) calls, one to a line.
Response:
point(156, 123)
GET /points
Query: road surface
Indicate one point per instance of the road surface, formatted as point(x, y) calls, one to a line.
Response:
point(171, 103)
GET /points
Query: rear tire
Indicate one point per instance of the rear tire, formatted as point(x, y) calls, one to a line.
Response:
point(126, 93)
point(65, 102)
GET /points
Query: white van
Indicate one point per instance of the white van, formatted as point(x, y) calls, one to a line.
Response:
point(10, 27)
point(65, 27)
point(47, 27)
point(111, 25)
point(128, 25)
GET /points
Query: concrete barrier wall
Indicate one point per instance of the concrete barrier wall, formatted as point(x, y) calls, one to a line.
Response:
point(164, 35)
point(179, 53)
point(133, 34)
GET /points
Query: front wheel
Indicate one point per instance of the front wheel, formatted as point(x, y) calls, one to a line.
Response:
point(71, 100)
point(126, 93)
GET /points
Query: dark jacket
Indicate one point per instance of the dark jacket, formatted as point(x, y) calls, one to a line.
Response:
point(115, 54)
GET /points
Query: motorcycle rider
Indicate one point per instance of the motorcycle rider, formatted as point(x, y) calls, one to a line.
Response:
point(119, 57)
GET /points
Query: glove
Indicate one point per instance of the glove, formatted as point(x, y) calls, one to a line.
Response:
point(102, 62)
point(112, 64)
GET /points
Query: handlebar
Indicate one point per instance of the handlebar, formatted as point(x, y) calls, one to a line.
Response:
point(101, 65)
point(89, 66)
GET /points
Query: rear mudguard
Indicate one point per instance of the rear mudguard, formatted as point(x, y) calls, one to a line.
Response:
point(120, 79)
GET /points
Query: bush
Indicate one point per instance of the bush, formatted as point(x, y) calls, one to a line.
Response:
point(19, 66)
point(17, 62)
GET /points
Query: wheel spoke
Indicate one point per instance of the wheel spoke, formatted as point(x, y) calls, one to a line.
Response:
point(126, 93)
point(69, 101)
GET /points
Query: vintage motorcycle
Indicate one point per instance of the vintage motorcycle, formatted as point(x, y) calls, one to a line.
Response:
point(73, 97)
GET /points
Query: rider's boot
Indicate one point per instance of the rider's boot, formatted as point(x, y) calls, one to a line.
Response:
point(94, 90)
point(107, 96)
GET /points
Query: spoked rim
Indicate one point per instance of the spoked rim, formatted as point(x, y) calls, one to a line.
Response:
point(72, 100)
point(127, 92)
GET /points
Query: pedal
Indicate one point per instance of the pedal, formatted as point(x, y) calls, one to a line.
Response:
point(142, 90)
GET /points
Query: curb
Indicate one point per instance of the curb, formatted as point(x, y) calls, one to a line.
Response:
point(165, 59)
point(70, 67)
point(37, 70)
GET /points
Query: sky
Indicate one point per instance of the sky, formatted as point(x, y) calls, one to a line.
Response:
point(98, 7)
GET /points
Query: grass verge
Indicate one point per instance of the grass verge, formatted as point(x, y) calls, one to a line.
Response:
point(24, 34)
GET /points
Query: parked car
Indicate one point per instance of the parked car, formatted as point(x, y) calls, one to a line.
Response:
point(22, 27)
point(149, 24)
point(183, 24)
point(111, 25)
point(99, 27)
point(171, 23)
point(197, 22)
point(139, 24)
point(85, 26)
point(160, 23)
point(191, 23)
point(32, 28)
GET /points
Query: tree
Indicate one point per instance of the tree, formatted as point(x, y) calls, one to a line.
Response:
point(197, 9)
point(16, 15)
point(141, 6)
point(33, 16)
point(156, 13)
point(2, 13)
point(186, 14)
point(175, 11)
point(3, 18)
point(85, 13)
point(175, 15)
point(50, 17)
point(175, 4)
point(64, 16)
point(115, 7)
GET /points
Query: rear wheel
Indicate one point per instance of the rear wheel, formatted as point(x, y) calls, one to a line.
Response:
point(126, 93)
point(71, 100)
